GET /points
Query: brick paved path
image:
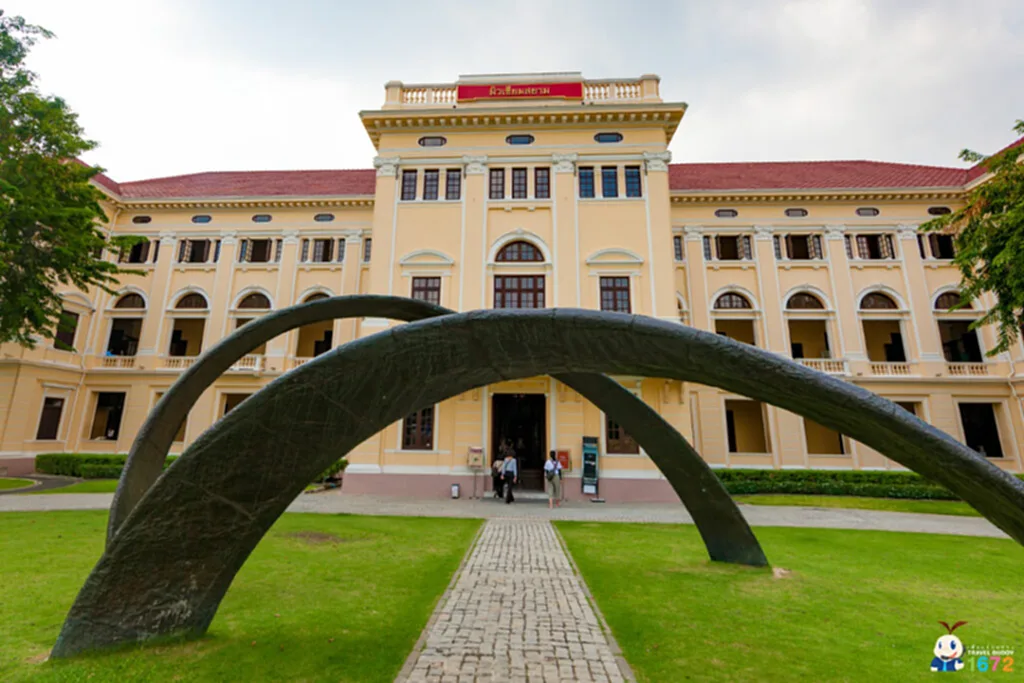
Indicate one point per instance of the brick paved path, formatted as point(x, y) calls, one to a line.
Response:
point(517, 612)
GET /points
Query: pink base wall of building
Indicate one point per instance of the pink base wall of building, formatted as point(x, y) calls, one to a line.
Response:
point(440, 486)
point(18, 466)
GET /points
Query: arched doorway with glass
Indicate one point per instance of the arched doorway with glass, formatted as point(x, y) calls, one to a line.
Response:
point(249, 306)
point(314, 339)
point(187, 330)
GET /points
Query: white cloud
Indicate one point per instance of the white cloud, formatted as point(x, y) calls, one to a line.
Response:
point(178, 86)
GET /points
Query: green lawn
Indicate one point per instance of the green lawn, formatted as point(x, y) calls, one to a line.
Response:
point(856, 605)
point(8, 483)
point(87, 486)
point(323, 598)
point(937, 507)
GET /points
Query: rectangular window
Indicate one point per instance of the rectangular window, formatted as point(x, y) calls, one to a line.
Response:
point(66, 328)
point(427, 289)
point(232, 401)
point(497, 183)
point(304, 252)
point(367, 248)
point(981, 429)
point(942, 246)
point(677, 246)
point(124, 336)
point(803, 247)
point(615, 294)
point(194, 251)
point(616, 440)
point(453, 183)
point(408, 185)
point(418, 430)
point(586, 182)
point(278, 246)
point(875, 247)
point(849, 245)
point(139, 253)
point(542, 183)
point(733, 248)
point(777, 241)
point(519, 291)
point(106, 420)
point(49, 419)
point(322, 249)
point(609, 181)
point(340, 255)
point(633, 186)
point(431, 181)
point(707, 248)
point(518, 183)
point(745, 427)
point(258, 251)
point(960, 342)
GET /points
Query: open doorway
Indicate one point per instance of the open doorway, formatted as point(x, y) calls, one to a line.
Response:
point(520, 418)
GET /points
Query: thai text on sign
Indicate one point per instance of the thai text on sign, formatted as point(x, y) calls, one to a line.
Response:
point(568, 91)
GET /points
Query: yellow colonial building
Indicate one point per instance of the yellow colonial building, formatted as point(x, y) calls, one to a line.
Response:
point(534, 190)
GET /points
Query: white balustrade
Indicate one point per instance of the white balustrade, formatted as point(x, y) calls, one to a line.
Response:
point(117, 362)
point(831, 366)
point(250, 363)
point(891, 369)
point(179, 362)
point(967, 369)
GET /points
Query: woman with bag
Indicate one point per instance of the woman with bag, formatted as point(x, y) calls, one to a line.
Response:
point(553, 481)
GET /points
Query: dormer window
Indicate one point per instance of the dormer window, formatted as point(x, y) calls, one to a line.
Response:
point(433, 141)
point(606, 138)
point(519, 140)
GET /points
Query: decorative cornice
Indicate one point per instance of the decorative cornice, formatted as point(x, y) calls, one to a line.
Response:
point(564, 163)
point(694, 233)
point(751, 196)
point(834, 232)
point(475, 165)
point(365, 201)
point(386, 166)
point(657, 161)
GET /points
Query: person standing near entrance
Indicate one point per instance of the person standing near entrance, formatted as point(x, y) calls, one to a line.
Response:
point(496, 468)
point(553, 481)
point(509, 474)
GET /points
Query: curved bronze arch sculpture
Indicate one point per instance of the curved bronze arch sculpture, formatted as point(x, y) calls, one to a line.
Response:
point(722, 526)
point(175, 557)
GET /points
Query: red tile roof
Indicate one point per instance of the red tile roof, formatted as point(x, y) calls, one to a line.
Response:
point(811, 175)
point(980, 169)
point(254, 184)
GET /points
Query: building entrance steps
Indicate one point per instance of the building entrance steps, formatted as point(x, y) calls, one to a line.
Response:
point(516, 611)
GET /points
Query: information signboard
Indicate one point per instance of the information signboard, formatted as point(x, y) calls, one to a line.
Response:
point(589, 478)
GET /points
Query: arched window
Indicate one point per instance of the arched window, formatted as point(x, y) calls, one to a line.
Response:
point(254, 300)
point(805, 301)
point(876, 301)
point(192, 300)
point(130, 301)
point(315, 296)
point(519, 251)
point(731, 300)
point(947, 301)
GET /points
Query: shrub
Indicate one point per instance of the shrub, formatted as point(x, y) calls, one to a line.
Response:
point(834, 483)
point(75, 464)
point(337, 466)
point(90, 471)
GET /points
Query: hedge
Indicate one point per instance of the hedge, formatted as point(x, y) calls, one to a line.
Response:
point(76, 464)
point(879, 484)
point(336, 466)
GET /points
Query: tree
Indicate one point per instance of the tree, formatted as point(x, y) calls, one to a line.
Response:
point(989, 239)
point(50, 215)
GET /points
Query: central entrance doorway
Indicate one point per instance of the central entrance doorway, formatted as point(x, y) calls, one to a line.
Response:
point(520, 418)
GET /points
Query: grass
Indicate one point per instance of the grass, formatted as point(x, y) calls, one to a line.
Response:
point(9, 483)
point(322, 598)
point(856, 605)
point(936, 507)
point(86, 486)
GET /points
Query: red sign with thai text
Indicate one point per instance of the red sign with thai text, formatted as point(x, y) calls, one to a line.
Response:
point(563, 458)
point(517, 91)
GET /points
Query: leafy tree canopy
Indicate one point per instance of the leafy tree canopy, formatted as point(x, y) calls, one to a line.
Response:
point(989, 239)
point(50, 216)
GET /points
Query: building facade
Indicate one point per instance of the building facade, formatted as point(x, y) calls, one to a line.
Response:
point(534, 190)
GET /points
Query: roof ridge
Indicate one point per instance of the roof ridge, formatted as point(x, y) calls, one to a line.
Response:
point(246, 172)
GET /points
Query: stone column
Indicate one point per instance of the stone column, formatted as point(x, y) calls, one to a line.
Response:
point(149, 341)
point(696, 285)
point(565, 221)
point(472, 266)
point(919, 301)
point(660, 260)
point(384, 225)
point(345, 329)
point(279, 348)
point(851, 338)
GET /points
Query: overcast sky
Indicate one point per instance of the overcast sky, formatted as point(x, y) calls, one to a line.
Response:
point(181, 86)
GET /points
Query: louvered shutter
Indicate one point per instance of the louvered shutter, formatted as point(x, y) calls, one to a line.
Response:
point(849, 246)
point(340, 256)
point(778, 246)
point(863, 251)
point(243, 251)
point(746, 254)
point(318, 251)
point(216, 251)
point(277, 251)
point(182, 250)
point(816, 250)
point(304, 257)
point(707, 248)
point(885, 244)
point(156, 250)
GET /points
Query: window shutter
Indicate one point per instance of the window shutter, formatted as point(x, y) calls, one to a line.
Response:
point(849, 246)
point(277, 251)
point(816, 251)
point(340, 256)
point(328, 247)
point(885, 244)
point(920, 246)
point(746, 253)
point(863, 251)
point(933, 242)
point(778, 246)
point(304, 256)
point(243, 247)
point(182, 250)
point(707, 248)
point(216, 251)
point(318, 250)
point(156, 250)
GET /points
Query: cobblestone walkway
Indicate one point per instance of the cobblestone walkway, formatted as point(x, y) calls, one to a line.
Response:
point(517, 612)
